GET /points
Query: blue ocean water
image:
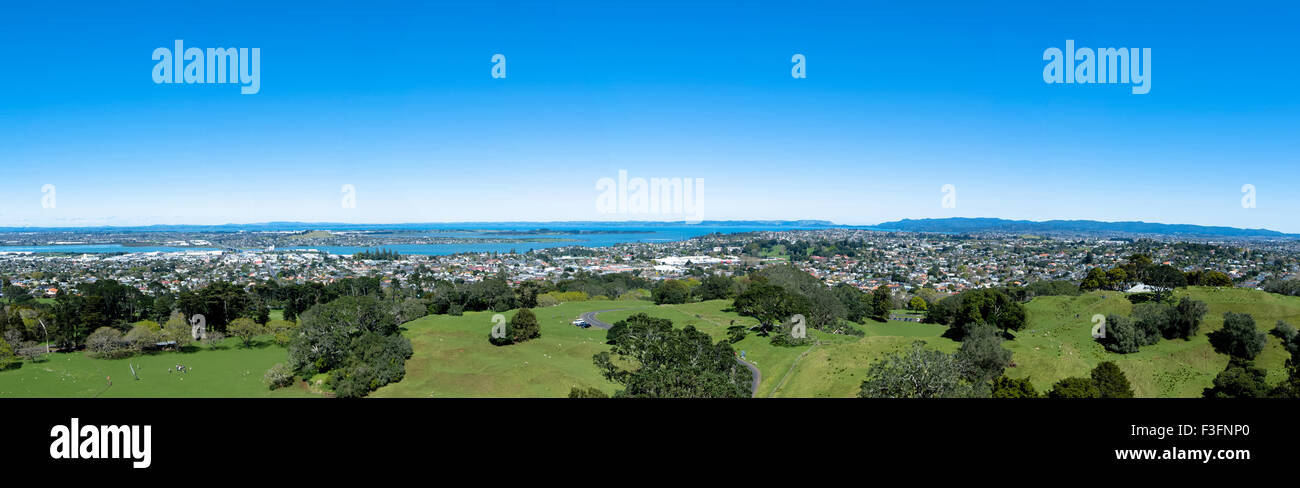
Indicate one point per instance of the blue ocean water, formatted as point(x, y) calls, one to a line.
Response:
point(633, 234)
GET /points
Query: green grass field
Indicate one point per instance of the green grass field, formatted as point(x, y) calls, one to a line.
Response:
point(229, 371)
point(453, 357)
point(1058, 341)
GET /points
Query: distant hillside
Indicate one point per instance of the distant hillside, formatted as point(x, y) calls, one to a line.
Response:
point(986, 225)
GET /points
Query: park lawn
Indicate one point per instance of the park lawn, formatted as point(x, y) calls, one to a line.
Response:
point(229, 371)
point(1058, 341)
point(837, 368)
point(713, 317)
point(777, 251)
point(453, 358)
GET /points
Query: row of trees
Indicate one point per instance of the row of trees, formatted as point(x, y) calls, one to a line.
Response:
point(981, 306)
point(107, 303)
point(776, 293)
point(978, 372)
point(377, 255)
point(495, 293)
point(1282, 287)
point(295, 299)
point(1105, 381)
point(1162, 278)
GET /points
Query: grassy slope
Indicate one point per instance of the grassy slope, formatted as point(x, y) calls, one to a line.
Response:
point(453, 357)
point(713, 318)
point(1058, 345)
point(231, 371)
point(836, 370)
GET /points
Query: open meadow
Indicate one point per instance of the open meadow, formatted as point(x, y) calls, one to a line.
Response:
point(453, 358)
point(227, 371)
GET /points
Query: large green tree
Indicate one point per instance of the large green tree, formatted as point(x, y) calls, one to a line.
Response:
point(356, 339)
point(650, 358)
point(670, 291)
point(770, 304)
point(988, 306)
point(1185, 318)
point(716, 287)
point(882, 301)
point(982, 351)
point(1241, 379)
point(1165, 279)
point(521, 328)
point(1004, 387)
point(1239, 338)
point(1074, 388)
point(1110, 381)
point(917, 373)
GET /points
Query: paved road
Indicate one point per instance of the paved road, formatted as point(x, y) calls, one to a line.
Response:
point(590, 318)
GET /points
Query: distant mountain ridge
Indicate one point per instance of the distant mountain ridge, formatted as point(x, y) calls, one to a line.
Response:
point(985, 225)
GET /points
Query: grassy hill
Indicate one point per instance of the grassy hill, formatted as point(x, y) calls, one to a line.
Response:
point(1058, 341)
point(453, 357)
point(837, 370)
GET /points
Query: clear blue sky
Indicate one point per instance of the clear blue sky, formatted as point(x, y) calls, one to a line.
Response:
point(398, 101)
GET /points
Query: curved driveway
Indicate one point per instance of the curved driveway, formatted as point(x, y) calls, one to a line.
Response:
point(754, 373)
